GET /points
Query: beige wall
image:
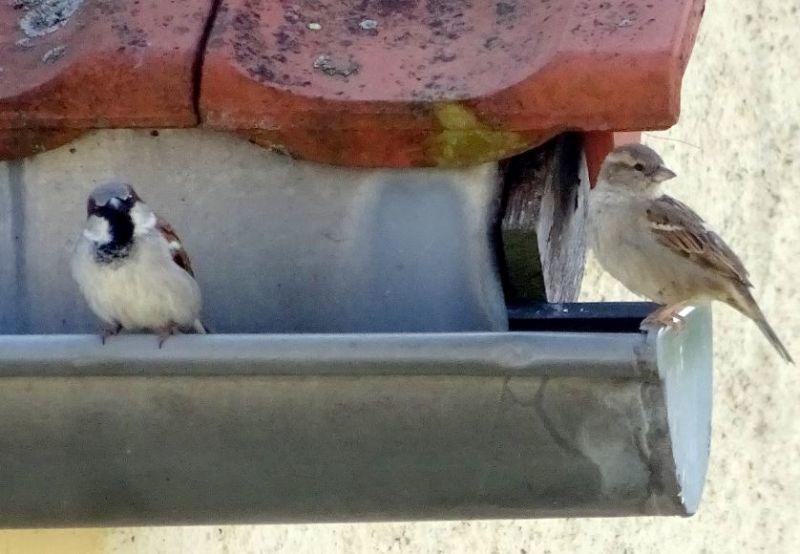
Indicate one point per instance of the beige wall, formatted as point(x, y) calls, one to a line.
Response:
point(737, 150)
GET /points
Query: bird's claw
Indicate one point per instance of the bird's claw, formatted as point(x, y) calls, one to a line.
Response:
point(667, 317)
point(678, 322)
point(164, 334)
point(109, 332)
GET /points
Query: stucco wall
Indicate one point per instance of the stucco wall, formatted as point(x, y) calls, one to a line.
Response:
point(737, 150)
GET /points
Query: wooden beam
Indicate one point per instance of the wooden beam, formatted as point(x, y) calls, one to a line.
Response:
point(542, 230)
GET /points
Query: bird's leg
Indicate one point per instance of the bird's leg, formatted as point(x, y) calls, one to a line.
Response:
point(666, 316)
point(678, 322)
point(164, 333)
point(110, 331)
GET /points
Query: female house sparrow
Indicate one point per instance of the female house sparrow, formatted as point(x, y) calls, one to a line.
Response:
point(132, 269)
point(659, 248)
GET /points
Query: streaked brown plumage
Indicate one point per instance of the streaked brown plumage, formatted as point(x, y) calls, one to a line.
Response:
point(660, 248)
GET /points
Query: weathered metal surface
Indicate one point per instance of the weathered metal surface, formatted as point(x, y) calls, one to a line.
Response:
point(339, 422)
point(278, 245)
point(607, 317)
point(290, 428)
point(542, 227)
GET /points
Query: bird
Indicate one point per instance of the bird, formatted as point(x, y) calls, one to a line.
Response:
point(132, 269)
point(659, 248)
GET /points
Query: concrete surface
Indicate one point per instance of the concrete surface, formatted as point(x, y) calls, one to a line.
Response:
point(736, 150)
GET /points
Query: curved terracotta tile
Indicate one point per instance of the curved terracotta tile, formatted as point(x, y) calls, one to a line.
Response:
point(441, 82)
point(99, 63)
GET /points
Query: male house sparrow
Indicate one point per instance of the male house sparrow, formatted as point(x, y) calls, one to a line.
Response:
point(659, 248)
point(132, 269)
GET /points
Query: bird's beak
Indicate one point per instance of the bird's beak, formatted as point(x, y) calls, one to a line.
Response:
point(663, 174)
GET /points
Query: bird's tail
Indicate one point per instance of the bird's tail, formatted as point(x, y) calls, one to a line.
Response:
point(772, 337)
point(748, 306)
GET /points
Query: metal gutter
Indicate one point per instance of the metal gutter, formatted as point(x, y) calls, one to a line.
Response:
point(353, 427)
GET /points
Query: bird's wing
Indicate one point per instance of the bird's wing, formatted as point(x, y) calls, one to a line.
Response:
point(680, 229)
point(179, 255)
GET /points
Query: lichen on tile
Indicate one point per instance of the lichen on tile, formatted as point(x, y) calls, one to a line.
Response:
point(465, 140)
point(41, 17)
point(334, 67)
point(54, 54)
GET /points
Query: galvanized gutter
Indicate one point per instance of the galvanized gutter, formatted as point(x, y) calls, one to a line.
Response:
point(360, 427)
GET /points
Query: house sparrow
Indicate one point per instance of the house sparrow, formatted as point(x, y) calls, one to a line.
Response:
point(659, 248)
point(132, 269)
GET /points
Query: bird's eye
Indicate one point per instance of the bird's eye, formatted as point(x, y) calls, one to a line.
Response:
point(638, 167)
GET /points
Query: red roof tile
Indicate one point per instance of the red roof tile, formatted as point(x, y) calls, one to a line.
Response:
point(436, 82)
point(353, 82)
point(95, 63)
